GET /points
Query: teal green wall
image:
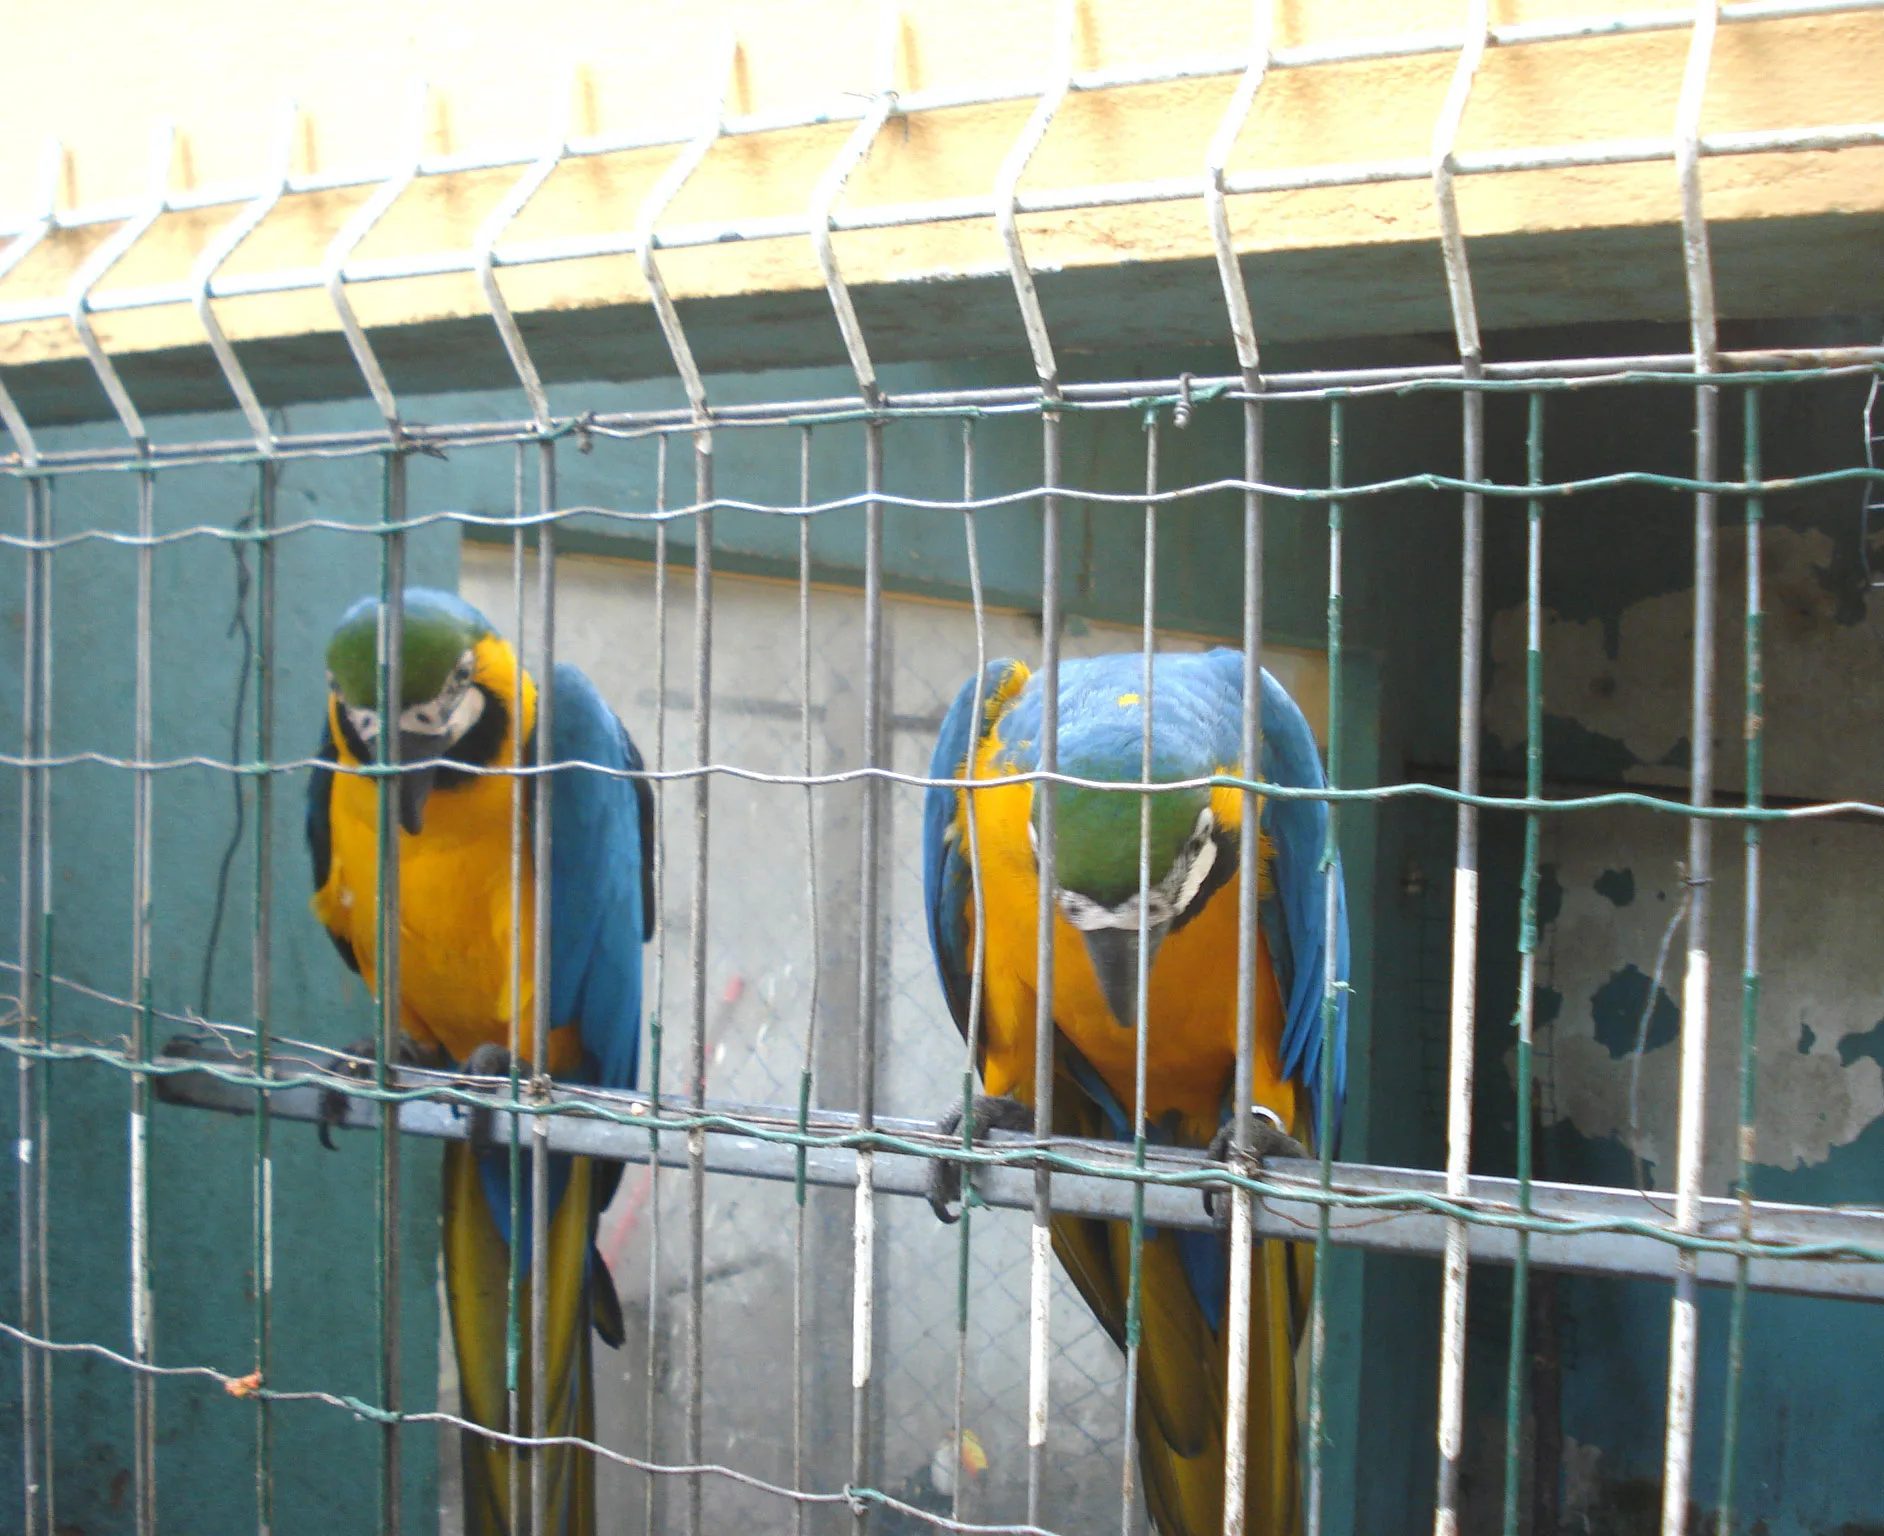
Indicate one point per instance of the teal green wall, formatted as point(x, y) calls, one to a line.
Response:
point(201, 1164)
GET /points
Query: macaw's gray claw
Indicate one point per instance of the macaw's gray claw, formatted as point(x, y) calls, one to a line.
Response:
point(987, 1114)
point(1266, 1140)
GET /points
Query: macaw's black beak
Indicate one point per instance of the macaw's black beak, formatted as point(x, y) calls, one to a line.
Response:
point(415, 784)
point(1114, 956)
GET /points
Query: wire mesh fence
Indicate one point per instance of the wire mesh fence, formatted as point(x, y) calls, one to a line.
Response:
point(804, 1347)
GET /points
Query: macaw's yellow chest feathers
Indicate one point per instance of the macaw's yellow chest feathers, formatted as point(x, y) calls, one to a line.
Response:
point(458, 910)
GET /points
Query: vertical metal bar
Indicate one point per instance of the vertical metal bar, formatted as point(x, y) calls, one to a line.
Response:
point(144, 1459)
point(1684, 1320)
point(386, 973)
point(42, 1196)
point(646, 218)
point(652, 1491)
point(1141, 1023)
point(143, 1385)
point(1465, 860)
point(697, 959)
point(35, 1396)
point(869, 945)
point(1006, 199)
point(1755, 725)
point(520, 795)
point(1242, 1214)
point(863, 1273)
point(1041, 1269)
point(971, 1036)
point(1332, 981)
point(541, 1020)
point(1516, 1359)
point(262, 983)
point(800, 1222)
point(1243, 332)
point(144, 1410)
point(78, 302)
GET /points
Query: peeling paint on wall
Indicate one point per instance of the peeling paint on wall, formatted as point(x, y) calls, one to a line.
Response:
point(1821, 1019)
point(1821, 1026)
point(1623, 679)
point(1626, 677)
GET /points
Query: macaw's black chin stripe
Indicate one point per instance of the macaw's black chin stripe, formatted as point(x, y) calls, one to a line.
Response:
point(478, 746)
point(1228, 846)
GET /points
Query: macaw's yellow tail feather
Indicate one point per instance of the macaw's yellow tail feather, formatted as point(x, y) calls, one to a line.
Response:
point(477, 1279)
point(1182, 1371)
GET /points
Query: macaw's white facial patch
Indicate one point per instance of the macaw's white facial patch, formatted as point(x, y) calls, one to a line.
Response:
point(444, 719)
point(1165, 901)
point(453, 712)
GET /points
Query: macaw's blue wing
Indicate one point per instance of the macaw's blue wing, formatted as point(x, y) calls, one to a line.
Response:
point(601, 909)
point(1295, 922)
point(948, 878)
point(601, 880)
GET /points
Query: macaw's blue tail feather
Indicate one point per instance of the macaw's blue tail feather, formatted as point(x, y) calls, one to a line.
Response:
point(477, 1286)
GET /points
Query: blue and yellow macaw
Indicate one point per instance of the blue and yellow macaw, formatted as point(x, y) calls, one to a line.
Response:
point(1190, 930)
point(456, 960)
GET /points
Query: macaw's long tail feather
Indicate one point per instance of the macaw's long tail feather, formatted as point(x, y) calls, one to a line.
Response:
point(1184, 1348)
point(477, 1280)
point(1182, 1371)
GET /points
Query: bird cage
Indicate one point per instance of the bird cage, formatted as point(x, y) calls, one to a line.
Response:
point(1549, 509)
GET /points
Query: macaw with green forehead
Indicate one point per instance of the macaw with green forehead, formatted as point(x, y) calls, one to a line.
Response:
point(1188, 921)
point(458, 954)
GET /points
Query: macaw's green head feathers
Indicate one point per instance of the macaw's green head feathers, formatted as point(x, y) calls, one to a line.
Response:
point(439, 634)
point(1097, 840)
point(1096, 875)
point(438, 702)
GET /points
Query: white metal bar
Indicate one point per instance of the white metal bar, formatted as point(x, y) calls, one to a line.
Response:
point(333, 271)
point(18, 249)
point(1216, 199)
point(498, 220)
point(1141, 1031)
point(1451, 1418)
point(1040, 1261)
point(78, 293)
point(831, 186)
point(220, 250)
point(1697, 263)
point(1007, 186)
point(144, 1438)
point(1243, 333)
point(656, 203)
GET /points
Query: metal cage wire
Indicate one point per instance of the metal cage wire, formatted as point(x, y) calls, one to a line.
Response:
point(1455, 1215)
